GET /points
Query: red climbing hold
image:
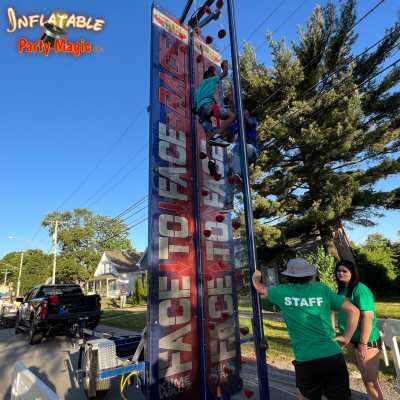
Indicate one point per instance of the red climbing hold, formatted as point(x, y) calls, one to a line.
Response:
point(204, 193)
point(199, 58)
point(227, 370)
point(208, 277)
point(221, 33)
point(209, 39)
point(219, 3)
point(220, 218)
point(231, 180)
point(211, 325)
point(248, 393)
point(217, 177)
point(239, 276)
point(203, 155)
point(207, 233)
point(235, 224)
point(244, 330)
point(225, 315)
point(221, 264)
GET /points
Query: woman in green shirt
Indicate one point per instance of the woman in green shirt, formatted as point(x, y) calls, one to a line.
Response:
point(365, 344)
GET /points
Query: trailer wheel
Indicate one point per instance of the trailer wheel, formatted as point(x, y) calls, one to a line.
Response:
point(94, 388)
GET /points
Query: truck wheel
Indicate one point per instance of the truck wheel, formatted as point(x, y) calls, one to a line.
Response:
point(17, 328)
point(34, 335)
point(94, 388)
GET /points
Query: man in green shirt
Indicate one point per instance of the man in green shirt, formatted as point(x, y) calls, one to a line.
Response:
point(306, 307)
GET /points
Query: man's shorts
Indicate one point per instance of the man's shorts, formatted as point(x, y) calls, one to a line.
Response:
point(325, 376)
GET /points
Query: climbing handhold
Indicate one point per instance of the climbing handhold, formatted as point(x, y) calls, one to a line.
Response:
point(227, 100)
point(211, 325)
point(225, 315)
point(221, 264)
point(199, 58)
point(207, 233)
point(248, 393)
point(227, 370)
point(244, 330)
point(209, 39)
point(197, 30)
point(231, 180)
point(219, 4)
point(221, 33)
point(235, 224)
point(217, 177)
point(203, 155)
point(204, 193)
point(220, 218)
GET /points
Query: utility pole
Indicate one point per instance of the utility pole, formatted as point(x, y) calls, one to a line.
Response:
point(55, 234)
point(5, 272)
point(19, 273)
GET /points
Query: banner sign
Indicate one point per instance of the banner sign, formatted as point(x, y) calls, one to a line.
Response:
point(172, 349)
point(220, 280)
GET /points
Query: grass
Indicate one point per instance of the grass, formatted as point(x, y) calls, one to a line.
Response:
point(388, 308)
point(130, 320)
point(279, 347)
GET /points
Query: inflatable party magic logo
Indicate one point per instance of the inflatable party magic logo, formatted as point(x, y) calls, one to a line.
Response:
point(54, 35)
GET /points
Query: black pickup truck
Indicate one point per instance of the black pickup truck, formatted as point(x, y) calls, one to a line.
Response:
point(56, 309)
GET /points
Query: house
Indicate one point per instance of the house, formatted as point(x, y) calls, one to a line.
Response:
point(116, 273)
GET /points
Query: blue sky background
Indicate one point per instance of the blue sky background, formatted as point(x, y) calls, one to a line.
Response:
point(74, 131)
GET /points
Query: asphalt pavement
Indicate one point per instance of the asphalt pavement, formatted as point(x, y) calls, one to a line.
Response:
point(55, 360)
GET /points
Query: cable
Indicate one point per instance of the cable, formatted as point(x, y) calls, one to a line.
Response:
point(136, 204)
point(260, 25)
point(358, 86)
point(320, 54)
point(101, 160)
point(114, 176)
point(284, 21)
point(118, 182)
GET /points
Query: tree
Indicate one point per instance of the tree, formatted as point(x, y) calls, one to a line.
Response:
point(328, 129)
point(82, 238)
point(325, 265)
point(145, 285)
point(36, 268)
point(138, 291)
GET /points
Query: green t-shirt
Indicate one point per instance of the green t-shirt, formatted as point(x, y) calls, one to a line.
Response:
point(306, 309)
point(205, 92)
point(363, 299)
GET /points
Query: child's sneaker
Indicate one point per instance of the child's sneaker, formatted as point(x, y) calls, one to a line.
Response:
point(218, 141)
point(212, 167)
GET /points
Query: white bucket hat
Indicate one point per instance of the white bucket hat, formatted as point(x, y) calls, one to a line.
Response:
point(300, 268)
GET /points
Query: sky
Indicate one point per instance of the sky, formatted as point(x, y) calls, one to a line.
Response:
point(74, 130)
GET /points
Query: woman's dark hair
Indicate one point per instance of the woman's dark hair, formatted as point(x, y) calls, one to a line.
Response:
point(209, 73)
point(296, 279)
point(355, 277)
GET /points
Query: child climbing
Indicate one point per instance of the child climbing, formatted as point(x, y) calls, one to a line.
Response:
point(208, 108)
point(250, 124)
point(234, 167)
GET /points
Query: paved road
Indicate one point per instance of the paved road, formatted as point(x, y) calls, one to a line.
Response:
point(55, 359)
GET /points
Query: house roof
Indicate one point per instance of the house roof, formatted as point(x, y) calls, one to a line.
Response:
point(124, 260)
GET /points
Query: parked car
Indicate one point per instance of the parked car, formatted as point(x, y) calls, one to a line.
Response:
point(8, 310)
point(55, 309)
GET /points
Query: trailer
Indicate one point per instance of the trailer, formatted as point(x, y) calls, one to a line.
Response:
point(105, 356)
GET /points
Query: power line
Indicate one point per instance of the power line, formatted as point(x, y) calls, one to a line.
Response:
point(321, 54)
point(114, 176)
point(118, 182)
point(335, 101)
point(101, 160)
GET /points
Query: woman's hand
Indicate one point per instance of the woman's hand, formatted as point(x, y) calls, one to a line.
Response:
point(342, 340)
point(257, 276)
point(362, 350)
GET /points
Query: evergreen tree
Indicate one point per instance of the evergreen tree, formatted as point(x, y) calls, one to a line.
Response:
point(328, 129)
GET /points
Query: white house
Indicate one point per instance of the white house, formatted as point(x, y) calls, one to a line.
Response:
point(116, 273)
